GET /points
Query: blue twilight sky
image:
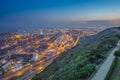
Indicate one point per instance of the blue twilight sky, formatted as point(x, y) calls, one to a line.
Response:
point(34, 14)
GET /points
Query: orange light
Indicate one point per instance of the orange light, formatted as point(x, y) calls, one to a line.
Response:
point(18, 36)
point(40, 68)
point(19, 73)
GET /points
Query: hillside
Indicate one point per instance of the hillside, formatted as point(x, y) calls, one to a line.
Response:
point(114, 70)
point(115, 74)
point(80, 62)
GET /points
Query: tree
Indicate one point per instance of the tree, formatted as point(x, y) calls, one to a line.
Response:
point(117, 54)
point(84, 73)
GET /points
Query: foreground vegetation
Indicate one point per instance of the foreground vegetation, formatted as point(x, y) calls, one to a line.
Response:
point(114, 72)
point(80, 62)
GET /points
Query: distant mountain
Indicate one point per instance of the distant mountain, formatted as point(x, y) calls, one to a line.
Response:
point(80, 62)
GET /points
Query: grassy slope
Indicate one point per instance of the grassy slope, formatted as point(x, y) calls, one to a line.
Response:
point(118, 76)
point(64, 66)
point(116, 72)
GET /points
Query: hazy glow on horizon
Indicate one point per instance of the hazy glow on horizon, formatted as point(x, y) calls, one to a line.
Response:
point(58, 12)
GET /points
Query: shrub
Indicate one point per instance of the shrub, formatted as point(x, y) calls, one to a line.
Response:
point(117, 54)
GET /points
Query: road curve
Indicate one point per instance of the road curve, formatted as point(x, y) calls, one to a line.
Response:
point(103, 70)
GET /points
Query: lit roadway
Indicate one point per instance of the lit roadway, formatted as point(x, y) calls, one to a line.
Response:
point(37, 69)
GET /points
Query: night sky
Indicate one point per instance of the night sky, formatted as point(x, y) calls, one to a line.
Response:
point(34, 14)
